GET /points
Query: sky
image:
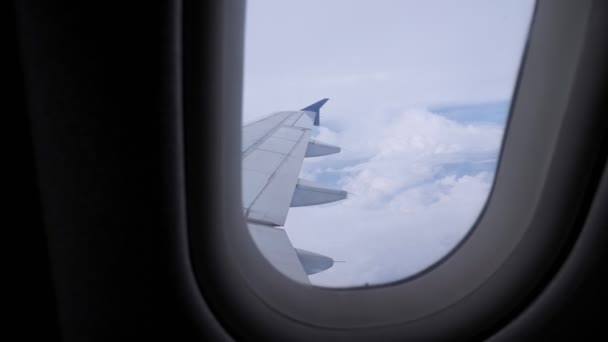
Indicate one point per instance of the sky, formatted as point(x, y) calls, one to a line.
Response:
point(419, 94)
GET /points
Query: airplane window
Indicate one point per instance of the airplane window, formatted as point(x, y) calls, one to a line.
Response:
point(387, 176)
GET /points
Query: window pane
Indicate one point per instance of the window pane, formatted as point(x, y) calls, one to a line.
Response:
point(419, 97)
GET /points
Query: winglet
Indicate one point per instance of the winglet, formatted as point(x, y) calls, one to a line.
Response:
point(315, 107)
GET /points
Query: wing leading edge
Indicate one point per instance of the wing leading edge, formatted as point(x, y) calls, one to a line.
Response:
point(272, 153)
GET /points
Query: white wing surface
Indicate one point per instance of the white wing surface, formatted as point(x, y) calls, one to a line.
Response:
point(272, 153)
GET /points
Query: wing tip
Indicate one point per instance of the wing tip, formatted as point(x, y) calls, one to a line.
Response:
point(316, 107)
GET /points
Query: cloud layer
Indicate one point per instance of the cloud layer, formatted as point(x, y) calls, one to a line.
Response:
point(418, 182)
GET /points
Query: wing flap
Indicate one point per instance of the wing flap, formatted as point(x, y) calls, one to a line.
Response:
point(305, 121)
point(272, 204)
point(256, 131)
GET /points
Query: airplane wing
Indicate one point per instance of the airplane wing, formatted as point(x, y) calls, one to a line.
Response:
point(272, 153)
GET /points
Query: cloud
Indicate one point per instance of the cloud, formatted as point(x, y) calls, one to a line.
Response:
point(415, 195)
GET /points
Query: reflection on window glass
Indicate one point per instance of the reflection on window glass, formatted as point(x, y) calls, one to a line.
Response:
point(419, 96)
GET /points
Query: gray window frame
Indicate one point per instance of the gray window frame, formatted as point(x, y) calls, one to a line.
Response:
point(497, 266)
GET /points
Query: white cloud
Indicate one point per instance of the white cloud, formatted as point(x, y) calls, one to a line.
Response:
point(404, 214)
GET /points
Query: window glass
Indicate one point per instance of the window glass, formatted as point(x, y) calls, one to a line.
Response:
point(419, 96)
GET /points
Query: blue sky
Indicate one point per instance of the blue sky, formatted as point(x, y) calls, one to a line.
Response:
point(419, 93)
